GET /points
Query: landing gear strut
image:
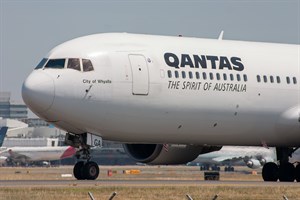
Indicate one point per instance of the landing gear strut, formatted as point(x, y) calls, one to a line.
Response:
point(285, 171)
point(83, 170)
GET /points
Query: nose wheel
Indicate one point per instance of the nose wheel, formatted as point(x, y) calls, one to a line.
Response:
point(86, 171)
point(83, 170)
point(77, 170)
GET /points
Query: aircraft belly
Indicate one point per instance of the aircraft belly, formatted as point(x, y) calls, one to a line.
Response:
point(191, 117)
point(194, 128)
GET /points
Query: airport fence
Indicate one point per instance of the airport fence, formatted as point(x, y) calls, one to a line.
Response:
point(189, 197)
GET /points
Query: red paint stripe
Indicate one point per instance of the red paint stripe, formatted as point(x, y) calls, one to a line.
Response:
point(69, 152)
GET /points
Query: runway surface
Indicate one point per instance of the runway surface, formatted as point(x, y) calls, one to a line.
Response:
point(137, 183)
point(149, 176)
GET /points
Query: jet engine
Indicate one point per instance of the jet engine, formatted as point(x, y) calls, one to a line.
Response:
point(253, 163)
point(265, 160)
point(167, 154)
point(2, 160)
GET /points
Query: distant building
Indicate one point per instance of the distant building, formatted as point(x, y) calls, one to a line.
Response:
point(11, 110)
point(16, 128)
point(36, 122)
point(31, 128)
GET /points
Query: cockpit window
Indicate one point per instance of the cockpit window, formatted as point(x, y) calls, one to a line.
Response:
point(74, 63)
point(41, 63)
point(78, 64)
point(56, 63)
point(87, 65)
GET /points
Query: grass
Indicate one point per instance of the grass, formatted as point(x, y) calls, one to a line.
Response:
point(151, 193)
point(141, 192)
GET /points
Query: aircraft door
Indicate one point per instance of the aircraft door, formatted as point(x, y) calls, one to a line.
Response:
point(140, 75)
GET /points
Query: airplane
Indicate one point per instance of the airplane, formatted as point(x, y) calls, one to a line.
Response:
point(252, 157)
point(169, 99)
point(24, 155)
point(30, 154)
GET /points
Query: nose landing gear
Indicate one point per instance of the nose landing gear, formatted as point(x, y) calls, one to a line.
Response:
point(83, 170)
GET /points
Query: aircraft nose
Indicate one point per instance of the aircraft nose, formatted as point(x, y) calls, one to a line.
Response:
point(38, 91)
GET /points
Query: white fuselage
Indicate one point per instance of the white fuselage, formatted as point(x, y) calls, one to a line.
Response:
point(129, 96)
point(25, 154)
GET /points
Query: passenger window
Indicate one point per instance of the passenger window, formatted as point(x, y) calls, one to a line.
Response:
point(56, 63)
point(271, 79)
point(225, 77)
point(191, 75)
point(204, 75)
point(74, 63)
point(183, 74)
point(258, 78)
point(169, 74)
point(278, 79)
point(176, 74)
point(288, 80)
point(294, 80)
point(238, 77)
point(231, 77)
point(211, 76)
point(197, 75)
point(265, 79)
point(218, 76)
point(245, 78)
point(41, 63)
point(87, 65)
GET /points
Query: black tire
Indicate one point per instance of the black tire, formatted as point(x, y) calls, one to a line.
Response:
point(91, 170)
point(270, 172)
point(287, 172)
point(297, 173)
point(77, 170)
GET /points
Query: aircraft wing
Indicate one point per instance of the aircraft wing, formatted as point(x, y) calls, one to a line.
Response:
point(253, 157)
point(227, 158)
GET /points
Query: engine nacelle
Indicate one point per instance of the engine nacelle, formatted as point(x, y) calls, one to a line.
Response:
point(3, 160)
point(253, 163)
point(265, 160)
point(170, 154)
